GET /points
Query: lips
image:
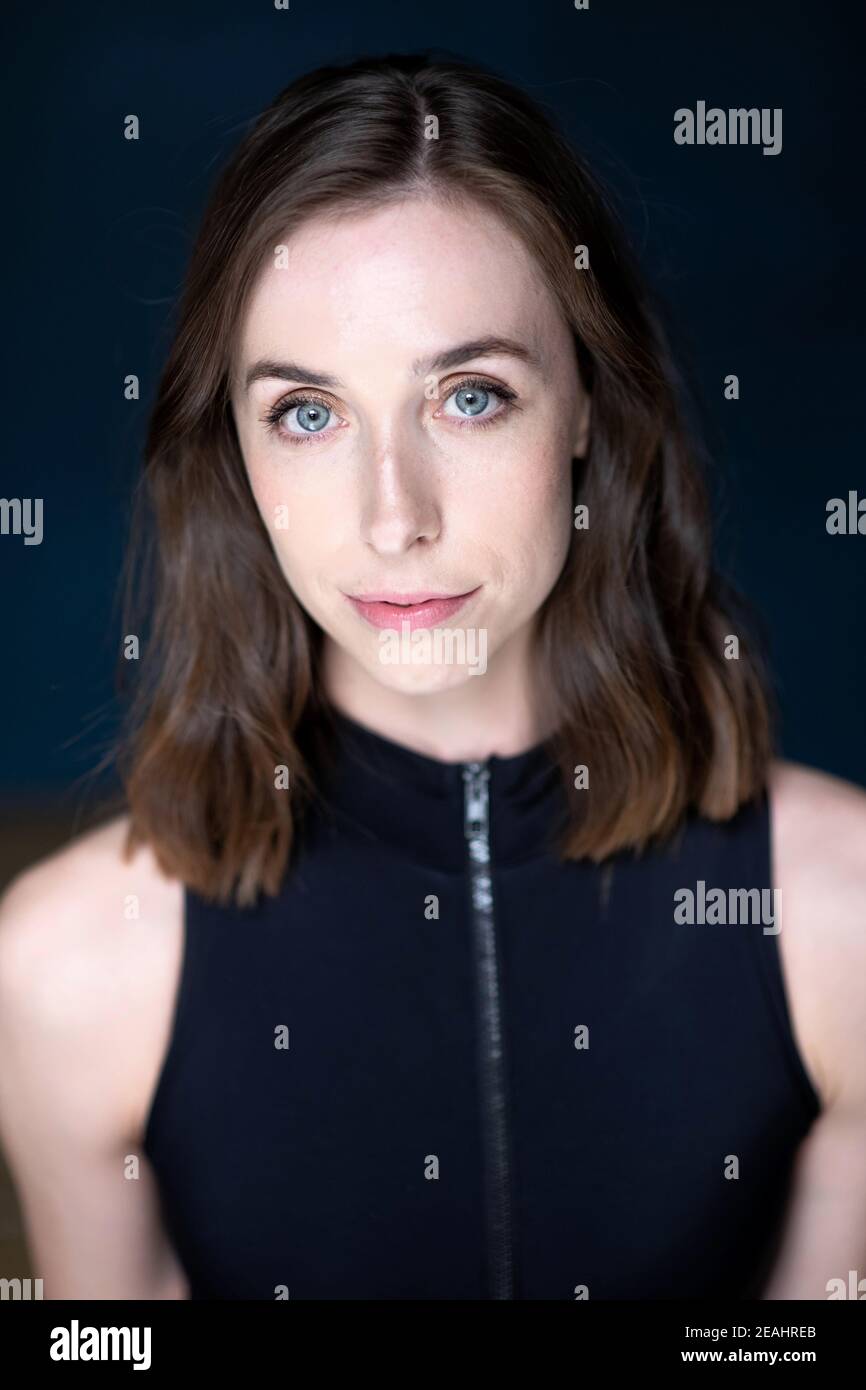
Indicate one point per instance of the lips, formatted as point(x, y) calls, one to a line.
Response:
point(404, 600)
point(423, 609)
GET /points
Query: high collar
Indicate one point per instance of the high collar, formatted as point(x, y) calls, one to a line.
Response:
point(397, 797)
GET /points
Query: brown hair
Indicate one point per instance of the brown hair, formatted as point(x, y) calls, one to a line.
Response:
point(631, 669)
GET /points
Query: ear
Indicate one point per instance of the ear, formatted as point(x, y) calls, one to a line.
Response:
point(584, 418)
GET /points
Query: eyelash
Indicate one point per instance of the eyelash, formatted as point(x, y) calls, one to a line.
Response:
point(271, 419)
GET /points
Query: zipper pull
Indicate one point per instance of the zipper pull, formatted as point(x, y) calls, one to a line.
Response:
point(476, 827)
point(476, 801)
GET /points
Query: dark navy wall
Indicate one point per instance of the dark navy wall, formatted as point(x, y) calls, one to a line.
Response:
point(759, 259)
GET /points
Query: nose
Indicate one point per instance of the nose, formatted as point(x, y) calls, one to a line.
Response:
point(400, 502)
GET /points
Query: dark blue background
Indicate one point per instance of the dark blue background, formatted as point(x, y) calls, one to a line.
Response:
point(759, 259)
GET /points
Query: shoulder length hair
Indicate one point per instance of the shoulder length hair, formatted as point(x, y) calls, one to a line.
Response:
point(630, 662)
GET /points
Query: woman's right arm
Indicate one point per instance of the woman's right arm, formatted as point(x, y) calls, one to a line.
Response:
point(85, 1006)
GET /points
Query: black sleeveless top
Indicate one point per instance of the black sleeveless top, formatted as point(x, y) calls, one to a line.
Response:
point(442, 1064)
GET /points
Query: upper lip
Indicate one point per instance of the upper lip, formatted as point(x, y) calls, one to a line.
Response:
point(389, 596)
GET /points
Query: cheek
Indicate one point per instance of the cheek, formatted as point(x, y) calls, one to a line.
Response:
point(524, 519)
point(296, 516)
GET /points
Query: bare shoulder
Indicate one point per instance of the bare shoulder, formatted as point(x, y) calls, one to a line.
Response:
point(90, 945)
point(819, 857)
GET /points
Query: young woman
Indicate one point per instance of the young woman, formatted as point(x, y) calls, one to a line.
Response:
point(436, 953)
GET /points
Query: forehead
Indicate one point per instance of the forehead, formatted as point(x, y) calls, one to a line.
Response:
point(410, 276)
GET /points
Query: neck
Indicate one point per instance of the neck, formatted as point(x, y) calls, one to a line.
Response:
point(490, 714)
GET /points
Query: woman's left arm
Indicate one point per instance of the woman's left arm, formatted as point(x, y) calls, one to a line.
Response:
point(819, 839)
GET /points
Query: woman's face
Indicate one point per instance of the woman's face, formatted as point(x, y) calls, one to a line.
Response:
point(408, 403)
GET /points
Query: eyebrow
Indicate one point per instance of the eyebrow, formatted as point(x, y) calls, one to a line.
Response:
point(268, 368)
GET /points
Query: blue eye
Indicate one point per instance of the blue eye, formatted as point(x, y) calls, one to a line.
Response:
point(471, 401)
point(311, 416)
point(472, 398)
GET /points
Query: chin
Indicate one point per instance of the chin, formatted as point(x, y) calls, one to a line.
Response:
point(421, 679)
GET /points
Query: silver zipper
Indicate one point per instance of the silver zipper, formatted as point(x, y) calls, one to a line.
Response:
point(476, 825)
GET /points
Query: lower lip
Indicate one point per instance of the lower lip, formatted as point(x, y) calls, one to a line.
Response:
point(430, 614)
